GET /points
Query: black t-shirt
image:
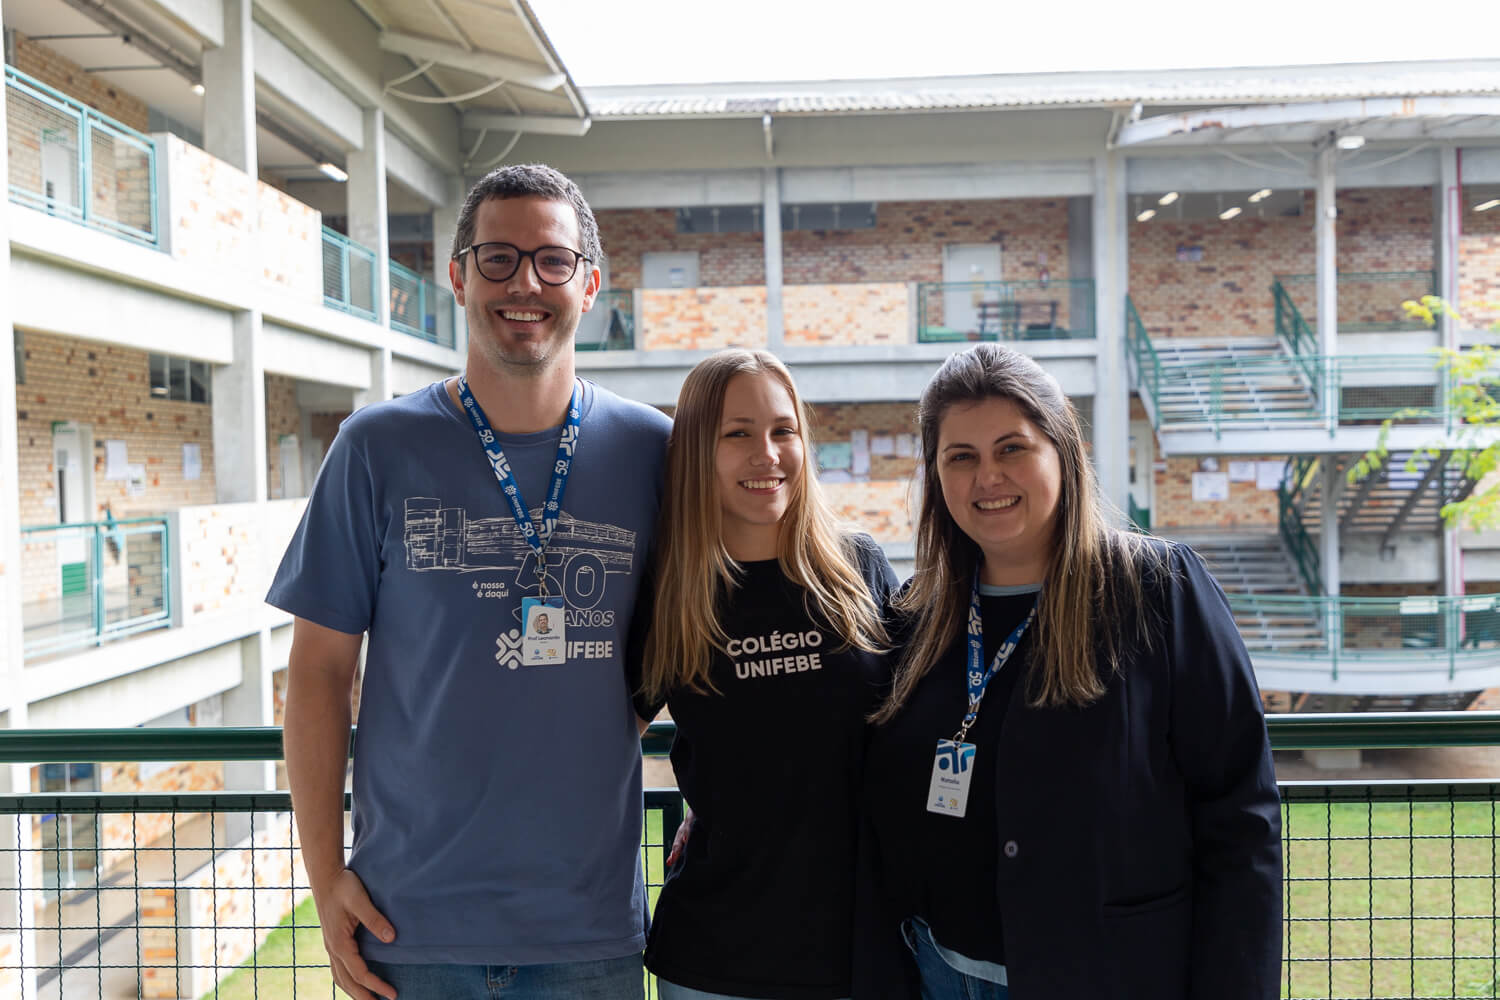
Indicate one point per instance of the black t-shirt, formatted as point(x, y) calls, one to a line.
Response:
point(956, 896)
point(761, 903)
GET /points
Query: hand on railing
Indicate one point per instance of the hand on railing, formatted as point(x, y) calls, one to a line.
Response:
point(342, 908)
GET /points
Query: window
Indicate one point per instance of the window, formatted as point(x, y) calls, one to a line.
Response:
point(181, 379)
point(747, 218)
point(719, 219)
point(20, 343)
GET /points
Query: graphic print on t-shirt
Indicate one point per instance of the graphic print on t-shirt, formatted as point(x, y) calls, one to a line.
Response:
point(581, 557)
point(776, 653)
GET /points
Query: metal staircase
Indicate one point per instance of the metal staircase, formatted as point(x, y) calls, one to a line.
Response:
point(1254, 571)
point(1242, 380)
point(1389, 500)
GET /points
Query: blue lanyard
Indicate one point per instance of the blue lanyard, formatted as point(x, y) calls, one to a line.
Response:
point(979, 678)
point(536, 539)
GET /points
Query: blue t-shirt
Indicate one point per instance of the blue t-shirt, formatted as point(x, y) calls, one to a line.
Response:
point(497, 807)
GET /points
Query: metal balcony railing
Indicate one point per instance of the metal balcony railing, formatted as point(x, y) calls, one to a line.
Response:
point(1005, 310)
point(87, 583)
point(1389, 887)
point(68, 160)
point(1368, 301)
point(348, 275)
point(416, 307)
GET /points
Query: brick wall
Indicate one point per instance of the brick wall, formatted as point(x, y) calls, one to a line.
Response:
point(872, 313)
point(723, 258)
point(878, 507)
point(290, 237)
point(230, 550)
point(210, 202)
point(879, 503)
point(1228, 291)
point(282, 417)
point(50, 67)
point(121, 834)
point(10, 965)
point(1479, 267)
point(906, 244)
point(1172, 504)
point(215, 918)
point(703, 318)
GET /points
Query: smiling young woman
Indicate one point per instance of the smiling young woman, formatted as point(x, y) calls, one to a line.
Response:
point(1069, 793)
point(765, 609)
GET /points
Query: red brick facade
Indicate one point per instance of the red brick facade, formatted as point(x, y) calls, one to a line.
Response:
point(1227, 292)
point(1479, 266)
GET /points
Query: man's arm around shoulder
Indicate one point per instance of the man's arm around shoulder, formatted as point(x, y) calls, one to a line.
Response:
point(320, 678)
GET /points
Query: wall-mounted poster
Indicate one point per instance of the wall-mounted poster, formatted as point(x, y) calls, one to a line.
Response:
point(1210, 487)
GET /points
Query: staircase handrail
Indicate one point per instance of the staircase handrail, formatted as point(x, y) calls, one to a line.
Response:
point(1147, 362)
point(1294, 481)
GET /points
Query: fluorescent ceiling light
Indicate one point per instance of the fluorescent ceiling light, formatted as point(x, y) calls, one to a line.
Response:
point(1167, 198)
point(1486, 206)
point(1350, 141)
point(1230, 212)
point(197, 88)
point(1146, 216)
point(1261, 195)
point(333, 172)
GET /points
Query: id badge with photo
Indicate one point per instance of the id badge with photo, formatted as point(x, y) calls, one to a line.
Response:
point(544, 632)
point(948, 793)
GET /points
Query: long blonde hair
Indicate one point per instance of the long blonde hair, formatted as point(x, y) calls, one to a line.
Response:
point(695, 573)
point(1092, 599)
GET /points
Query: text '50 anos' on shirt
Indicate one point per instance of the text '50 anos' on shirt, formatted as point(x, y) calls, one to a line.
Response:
point(497, 806)
point(761, 904)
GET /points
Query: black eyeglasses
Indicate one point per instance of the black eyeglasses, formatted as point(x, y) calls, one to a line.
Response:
point(498, 261)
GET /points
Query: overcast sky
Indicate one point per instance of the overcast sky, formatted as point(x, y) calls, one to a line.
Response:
point(695, 41)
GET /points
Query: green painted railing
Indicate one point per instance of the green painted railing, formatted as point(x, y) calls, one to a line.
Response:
point(348, 275)
point(120, 890)
point(90, 582)
point(67, 159)
point(1005, 310)
point(616, 331)
point(1139, 516)
point(1296, 480)
point(1368, 301)
point(1145, 362)
point(1445, 633)
point(415, 307)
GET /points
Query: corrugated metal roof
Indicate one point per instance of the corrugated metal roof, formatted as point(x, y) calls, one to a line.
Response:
point(1208, 87)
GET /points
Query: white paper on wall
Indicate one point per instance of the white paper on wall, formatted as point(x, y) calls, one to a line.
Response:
point(1210, 486)
point(1268, 475)
point(115, 460)
point(883, 444)
point(906, 446)
point(859, 443)
point(135, 480)
point(1242, 472)
point(192, 461)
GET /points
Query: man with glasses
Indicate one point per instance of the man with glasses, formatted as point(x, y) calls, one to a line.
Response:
point(497, 778)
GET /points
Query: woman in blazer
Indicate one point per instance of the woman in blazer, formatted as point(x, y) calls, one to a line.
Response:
point(1069, 792)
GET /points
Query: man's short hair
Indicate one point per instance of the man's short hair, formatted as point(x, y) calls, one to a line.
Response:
point(529, 180)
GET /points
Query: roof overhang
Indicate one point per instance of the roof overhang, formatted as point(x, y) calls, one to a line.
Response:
point(1379, 119)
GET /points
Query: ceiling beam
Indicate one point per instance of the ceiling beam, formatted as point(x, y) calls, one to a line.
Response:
point(488, 64)
point(536, 124)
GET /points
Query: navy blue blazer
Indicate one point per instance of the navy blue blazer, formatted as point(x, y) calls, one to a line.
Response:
point(1139, 844)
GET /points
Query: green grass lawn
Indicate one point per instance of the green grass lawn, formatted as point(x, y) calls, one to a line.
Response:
point(1399, 901)
point(274, 973)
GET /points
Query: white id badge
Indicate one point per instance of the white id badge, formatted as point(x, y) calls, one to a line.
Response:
point(948, 795)
point(544, 633)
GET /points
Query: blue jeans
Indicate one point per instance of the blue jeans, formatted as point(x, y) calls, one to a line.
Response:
point(605, 979)
point(941, 981)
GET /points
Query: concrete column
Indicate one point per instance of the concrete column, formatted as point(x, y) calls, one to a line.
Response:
point(1449, 216)
point(1111, 259)
point(18, 873)
point(369, 225)
point(444, 224)
point(239, 417)
point(252, 703)
point(1328, 544)
point(771, 216)
point(229, 92)
point(1325, 228)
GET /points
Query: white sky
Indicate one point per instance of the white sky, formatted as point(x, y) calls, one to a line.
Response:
point(696, 41)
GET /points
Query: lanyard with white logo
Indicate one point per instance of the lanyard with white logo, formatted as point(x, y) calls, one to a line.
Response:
point(536, 539)
point(952, 765)
point(979, 678)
